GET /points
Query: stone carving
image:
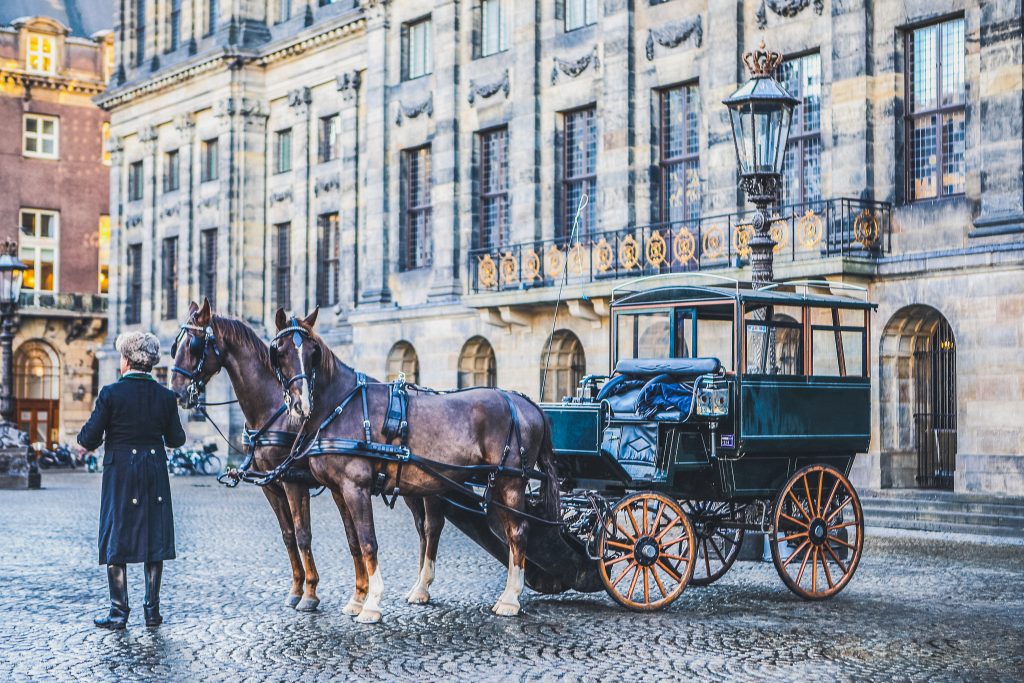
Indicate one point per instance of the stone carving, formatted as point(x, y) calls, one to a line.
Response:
point(786, 8)
point(169, 211)
point(574, 67)
point(485, 90)
point(348, 84)
point(278, 197)
point(133, 221)
point(299, 97)
point(671, 35)
point(252, 107)
point(185, 123)
point(424, 107)
point(147, 134)
point(115, 145)
point(327, 184)
point(209, 202)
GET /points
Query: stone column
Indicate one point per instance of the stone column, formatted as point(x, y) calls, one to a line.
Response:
point(251, 211)
point(185, 125)
point(444, 158)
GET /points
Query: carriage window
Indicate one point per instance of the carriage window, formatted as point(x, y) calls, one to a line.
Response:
point(643, 335)
point(838, 342)
point(715, 334)
point(774, 340)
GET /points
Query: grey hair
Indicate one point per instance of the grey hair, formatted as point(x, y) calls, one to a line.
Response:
point(141, 349)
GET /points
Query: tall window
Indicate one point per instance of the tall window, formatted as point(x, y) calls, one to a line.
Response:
point(328, 138)
point(418, 55)
point(328, 283)
point(172, 174)
point(208, 265)
point(416, 245)
point(580, 13)
point(133, 297)
point(579, 170)
point(493, 198)
point(477, 367)
point(103, 245)
point(211, 17)
point(403, 359)
point(208, 171)
point(40, 136)
point(105, 140)
point(283, 151)
point(936, 102)
point(565, 365)
point(174, 26)
point(39, 55)
point(169, 262)
point(281, 265)
point(493, 27)
point(38, 248)
point(801, 166)
point(135, 181)
point(140, 31)
point(284, 10)
point(679, 148)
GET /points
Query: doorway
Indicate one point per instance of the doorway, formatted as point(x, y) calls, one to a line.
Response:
point(37, 392)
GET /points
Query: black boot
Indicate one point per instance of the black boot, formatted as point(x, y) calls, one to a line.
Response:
point(117, 580)
point(154, 572)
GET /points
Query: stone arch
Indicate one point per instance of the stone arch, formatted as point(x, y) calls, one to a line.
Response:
point(402, 358)
point(36, 371)
point(477, 365)
point(566, 364)
point(917, 399)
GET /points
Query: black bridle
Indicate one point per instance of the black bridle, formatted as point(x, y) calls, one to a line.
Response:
point(197, 346)
point(299, 335)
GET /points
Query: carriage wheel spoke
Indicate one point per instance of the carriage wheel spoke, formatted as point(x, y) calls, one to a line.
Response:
point(657, 582)
point(800, 505)
point(824, 565)
point(678, 558)
point(707, 560)
point(835, 487)
point(646, 518)
point(676, 576)
point(632, 584)
point(843, 525)
point(836, 558)
point(840, 541)
point(647, 588)
point(721, 558)
point(810, 501)
point(806, 525)
point(814, 572)
point(631, 539)
point(792, 536)
point(623, 574)
point(821, 480)
point(666, 529)
point(835, 512)
point(617, 544)
point(795, 553)
point(672, 543)
point(803, 565)
point(620, 558)
point(632, 520)
point(657, 517)
point(728, 539)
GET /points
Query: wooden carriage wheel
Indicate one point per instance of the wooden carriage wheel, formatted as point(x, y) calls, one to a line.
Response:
point(818, 532)
point(646, 549)
point(717, 546)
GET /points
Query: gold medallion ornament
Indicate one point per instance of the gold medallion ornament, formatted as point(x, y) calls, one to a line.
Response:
point(576, 265)
point(531, 265)
point(809, 230)
point(657, 250)
point(865, 229)
point(509, 268)
point(629, 253)
point(487, 272)
point(777, 231)
point(684, 246)
point(554, 261)
point(713, 242)
point(604, 254)
point(740, 240)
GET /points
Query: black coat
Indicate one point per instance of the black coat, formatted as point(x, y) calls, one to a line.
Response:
point(134, 417)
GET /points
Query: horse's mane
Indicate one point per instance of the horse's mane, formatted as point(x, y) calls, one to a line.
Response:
point(237, 333)
point(327, 369)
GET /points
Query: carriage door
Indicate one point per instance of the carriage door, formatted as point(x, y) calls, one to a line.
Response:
point(935, 409)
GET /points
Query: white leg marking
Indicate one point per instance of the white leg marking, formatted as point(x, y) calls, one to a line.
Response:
point(370, 613)
point(355, 604)
point(420, 593)
point(508, 602)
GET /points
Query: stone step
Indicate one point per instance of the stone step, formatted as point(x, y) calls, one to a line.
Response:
point(944, 527)
point(986, 507)
point(940, 515)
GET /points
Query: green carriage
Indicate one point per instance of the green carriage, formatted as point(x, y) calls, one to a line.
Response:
point(729, 409)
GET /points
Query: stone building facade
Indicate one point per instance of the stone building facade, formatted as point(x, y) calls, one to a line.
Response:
point(54, 197)
point(416, 169)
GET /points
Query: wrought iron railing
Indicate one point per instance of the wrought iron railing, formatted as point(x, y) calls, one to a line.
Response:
point(832, 227)
point(77, 303)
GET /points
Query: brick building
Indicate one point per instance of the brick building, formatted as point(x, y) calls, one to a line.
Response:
point(54, 198)
point(415, 167)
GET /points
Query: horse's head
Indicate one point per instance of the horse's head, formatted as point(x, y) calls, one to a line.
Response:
point(296, 355)
point(196, 355)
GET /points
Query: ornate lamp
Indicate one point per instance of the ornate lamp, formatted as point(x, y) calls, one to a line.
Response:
point(760, 113)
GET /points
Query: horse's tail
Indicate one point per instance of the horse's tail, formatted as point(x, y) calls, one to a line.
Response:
point(546, 464)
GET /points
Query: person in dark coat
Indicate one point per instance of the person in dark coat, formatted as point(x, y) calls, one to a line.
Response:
point(135, 418)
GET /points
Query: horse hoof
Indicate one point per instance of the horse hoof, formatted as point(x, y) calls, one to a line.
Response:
point(368, 616)
point(418, 596)
point(353, 608)
point(505, 609)
point(308, 604)
point(292, 600)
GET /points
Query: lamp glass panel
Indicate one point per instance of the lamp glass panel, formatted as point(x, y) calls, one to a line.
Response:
point(743, 134)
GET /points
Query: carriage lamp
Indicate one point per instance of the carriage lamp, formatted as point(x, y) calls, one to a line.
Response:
point(760, 113)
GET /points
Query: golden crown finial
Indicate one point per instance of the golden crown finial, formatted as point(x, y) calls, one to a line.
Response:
point(762, 62)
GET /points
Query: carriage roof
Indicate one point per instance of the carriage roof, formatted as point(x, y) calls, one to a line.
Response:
point(655, 290)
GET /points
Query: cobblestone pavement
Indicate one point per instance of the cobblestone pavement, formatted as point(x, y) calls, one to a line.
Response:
point(919, 608)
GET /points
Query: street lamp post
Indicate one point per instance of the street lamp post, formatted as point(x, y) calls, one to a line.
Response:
point(11, 272)
point(760, 113)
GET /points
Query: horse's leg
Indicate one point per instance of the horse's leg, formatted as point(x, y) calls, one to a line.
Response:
point(279, 504)
point(355, 603)
point(298, 501)
point(515, 532)
point(357, 499)
point(418, 595)
point(430, 536)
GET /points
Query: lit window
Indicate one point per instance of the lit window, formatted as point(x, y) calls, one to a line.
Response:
point(40, 53)
point(105, 133)
point(103, 247)
point(40, 136)
point(493, 27)
point(418, 55)
point(38, 249)
point(580, 13)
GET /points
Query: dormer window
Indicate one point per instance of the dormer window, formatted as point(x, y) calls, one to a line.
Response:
point(39, 56)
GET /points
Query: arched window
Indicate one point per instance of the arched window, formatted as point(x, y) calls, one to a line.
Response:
point(402, 359)
point(477, 367)
point(36, 372)
point(565, 367)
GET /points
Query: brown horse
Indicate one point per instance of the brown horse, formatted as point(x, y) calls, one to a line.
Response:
point(469, 428)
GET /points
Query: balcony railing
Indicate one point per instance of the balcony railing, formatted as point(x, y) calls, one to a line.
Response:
point(75, 303)
point(812, 230)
